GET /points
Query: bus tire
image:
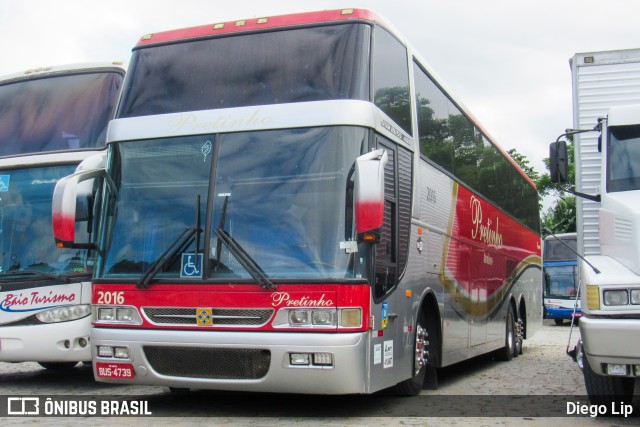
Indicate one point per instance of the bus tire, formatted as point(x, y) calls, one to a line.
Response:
point(58, 366)
point(519, 333)
point(558, 322)
point(606, 390)
point(508, 351)
point(422, 348)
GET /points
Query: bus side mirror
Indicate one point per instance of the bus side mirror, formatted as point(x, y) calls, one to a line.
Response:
point(73, 201)
point(558, 164)
point(369, 194)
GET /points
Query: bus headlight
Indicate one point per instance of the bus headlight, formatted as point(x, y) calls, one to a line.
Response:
point(616, 297)
point(350, 317)
point(117, 314)
point(64, 314)
point(635, 296)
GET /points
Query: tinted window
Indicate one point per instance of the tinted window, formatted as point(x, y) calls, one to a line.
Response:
point(452, 140)
point(433, 121)
point(57, 113)
point(309, 64)
point(391, 78)
point(555, 250)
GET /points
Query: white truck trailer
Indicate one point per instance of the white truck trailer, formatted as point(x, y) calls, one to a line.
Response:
point(606, 97)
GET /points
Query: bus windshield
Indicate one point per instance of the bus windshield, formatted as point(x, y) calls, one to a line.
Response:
point(284, 197)
point(63, 112)
point(26, 239)
point(555, 250)
point(560, 281)
point(297, 65)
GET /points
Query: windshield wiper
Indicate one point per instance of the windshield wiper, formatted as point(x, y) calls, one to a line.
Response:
point(239, 253)
point(178, 245)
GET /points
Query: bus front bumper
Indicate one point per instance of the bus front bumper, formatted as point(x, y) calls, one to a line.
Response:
point(239, 361)
point(54, 342)
point(608, 342)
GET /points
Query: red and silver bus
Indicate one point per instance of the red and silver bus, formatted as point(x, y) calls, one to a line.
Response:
point(295, 204)
point(51, 120)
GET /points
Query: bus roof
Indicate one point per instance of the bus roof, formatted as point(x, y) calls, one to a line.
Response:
point(259, 24)
point(60, 69)
point(562, 236)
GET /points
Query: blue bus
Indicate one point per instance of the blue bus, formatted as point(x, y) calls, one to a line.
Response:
point(560, 278)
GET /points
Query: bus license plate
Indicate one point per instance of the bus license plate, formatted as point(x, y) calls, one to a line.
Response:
point(115, 370)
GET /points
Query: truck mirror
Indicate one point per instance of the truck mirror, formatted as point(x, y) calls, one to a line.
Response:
point(73, 201)
point(558, 165)
point(369, 194)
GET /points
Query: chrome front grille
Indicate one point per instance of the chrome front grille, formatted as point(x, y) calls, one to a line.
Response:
point(253, 317)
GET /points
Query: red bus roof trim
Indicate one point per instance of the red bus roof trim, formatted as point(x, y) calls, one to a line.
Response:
point(258, 24)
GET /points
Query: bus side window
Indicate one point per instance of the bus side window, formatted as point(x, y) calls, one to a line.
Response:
point(391, 78)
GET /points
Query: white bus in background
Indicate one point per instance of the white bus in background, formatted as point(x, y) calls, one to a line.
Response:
point(51, 119)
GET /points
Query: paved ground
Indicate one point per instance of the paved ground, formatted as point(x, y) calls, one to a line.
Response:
point(535, 382)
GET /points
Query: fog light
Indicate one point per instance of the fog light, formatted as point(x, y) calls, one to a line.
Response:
point(323, 359)
point(105, 314)
point(82, 342)
point(299, 358)
point(67, 344)
point(615, 369)
point(105, 351)
point(121, 352)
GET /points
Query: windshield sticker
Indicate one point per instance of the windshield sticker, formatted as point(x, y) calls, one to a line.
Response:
point(4, 183)
point(206, 149)
point(191, 266)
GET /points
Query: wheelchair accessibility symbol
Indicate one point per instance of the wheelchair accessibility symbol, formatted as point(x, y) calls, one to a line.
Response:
point(191, 265)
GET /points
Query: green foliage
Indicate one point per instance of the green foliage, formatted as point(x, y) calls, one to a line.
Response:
point(561, 217)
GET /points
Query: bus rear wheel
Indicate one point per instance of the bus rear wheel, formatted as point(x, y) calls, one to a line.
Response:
point(508, 351)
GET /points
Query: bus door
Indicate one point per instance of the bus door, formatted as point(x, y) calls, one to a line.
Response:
point(388, 357)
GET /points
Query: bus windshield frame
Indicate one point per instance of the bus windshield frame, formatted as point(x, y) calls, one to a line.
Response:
point(284, 196)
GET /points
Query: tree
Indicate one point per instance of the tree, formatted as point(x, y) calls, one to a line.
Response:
point(561, 216)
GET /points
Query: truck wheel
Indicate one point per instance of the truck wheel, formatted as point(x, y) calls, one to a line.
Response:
point(57, 366)
point(507, 352)
point(604, 389)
